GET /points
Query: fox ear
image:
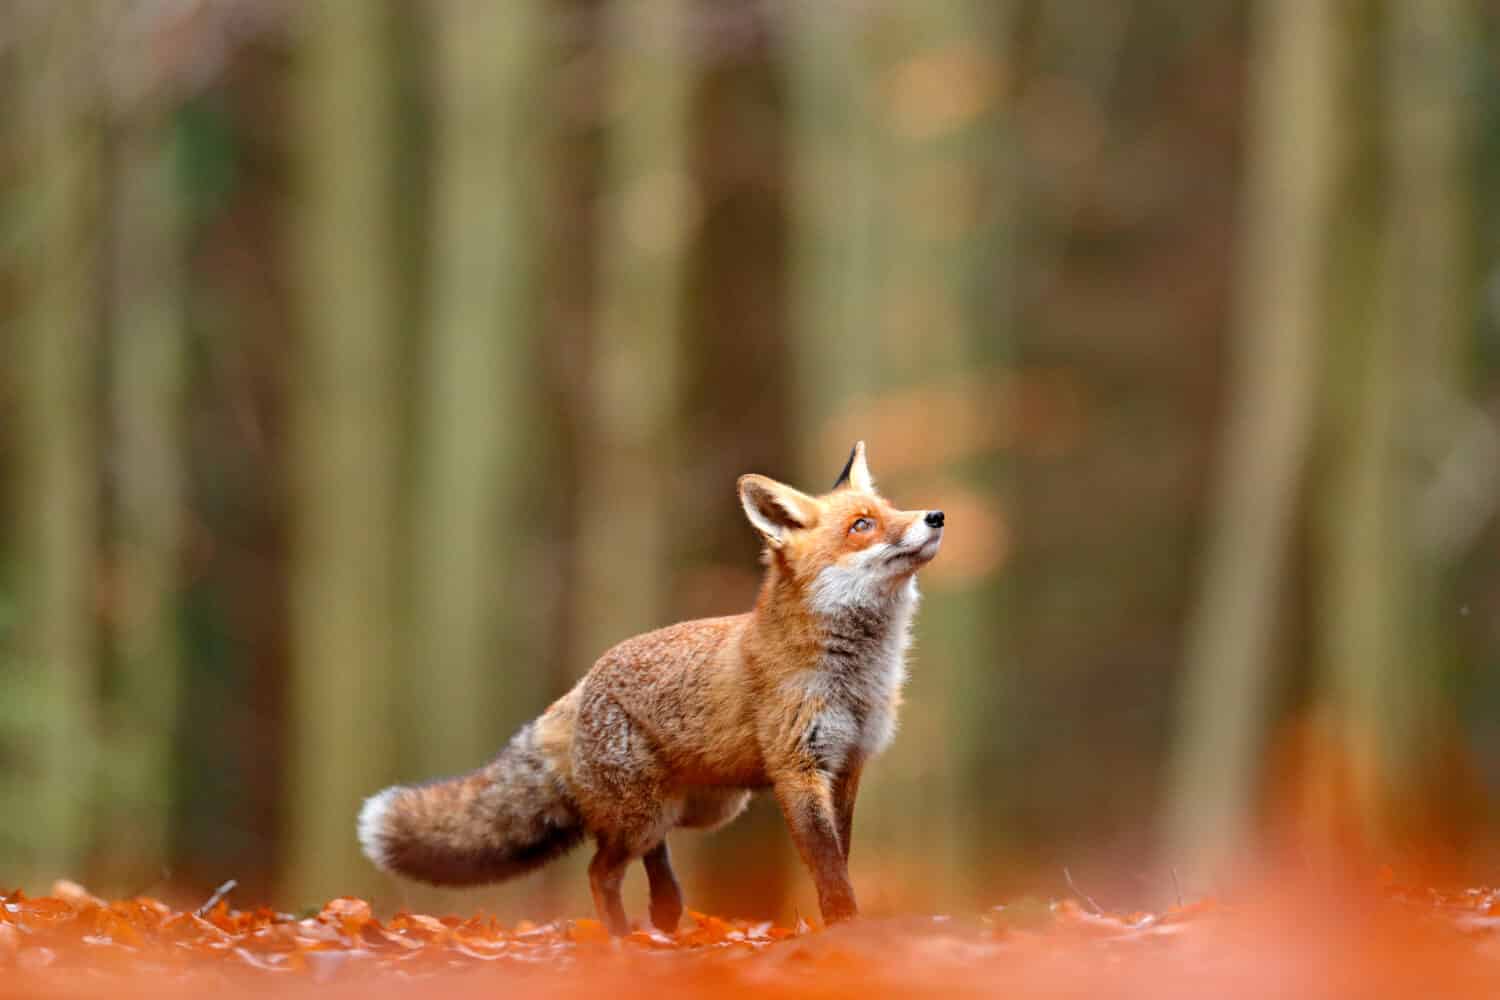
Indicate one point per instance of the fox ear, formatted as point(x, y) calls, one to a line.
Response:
point(775, 508)
point(856, 474)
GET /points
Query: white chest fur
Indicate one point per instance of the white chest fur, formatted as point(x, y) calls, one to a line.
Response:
point(859, 676)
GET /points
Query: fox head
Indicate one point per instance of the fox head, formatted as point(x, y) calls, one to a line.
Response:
point(849, 547)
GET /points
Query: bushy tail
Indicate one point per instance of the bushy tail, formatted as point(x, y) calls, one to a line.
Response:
point(508, 817)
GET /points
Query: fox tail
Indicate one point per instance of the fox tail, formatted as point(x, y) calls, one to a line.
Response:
point(508, 817)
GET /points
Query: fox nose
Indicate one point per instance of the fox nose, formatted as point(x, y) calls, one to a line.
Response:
point(934, 518)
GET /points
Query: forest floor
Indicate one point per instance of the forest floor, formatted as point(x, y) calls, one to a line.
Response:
point(1288, 940)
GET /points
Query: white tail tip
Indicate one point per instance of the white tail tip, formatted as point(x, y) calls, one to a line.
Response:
point(371, 826)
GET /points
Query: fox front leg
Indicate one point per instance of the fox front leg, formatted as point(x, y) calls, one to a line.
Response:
point(845, 790)
point(806, 801)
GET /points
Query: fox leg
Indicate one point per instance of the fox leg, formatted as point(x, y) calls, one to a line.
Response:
point(606, 872)
point(806, 800)
point(845, 790)
point(666, 893)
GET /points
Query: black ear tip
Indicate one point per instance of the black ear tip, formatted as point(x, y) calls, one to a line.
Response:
point(843, 478)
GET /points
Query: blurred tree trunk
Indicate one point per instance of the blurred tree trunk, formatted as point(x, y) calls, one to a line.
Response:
point(1296, 59)
point(942, 326)
point(650, 210)
point(474, 670)
point(834, 178)
point(146, 400)
point(344, 637)
point(470, 454)
point(53, 724)
point(901, 186)
point(736, 412)
point(1395, 387)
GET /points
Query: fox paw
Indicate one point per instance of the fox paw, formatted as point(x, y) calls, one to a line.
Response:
point(666, 915)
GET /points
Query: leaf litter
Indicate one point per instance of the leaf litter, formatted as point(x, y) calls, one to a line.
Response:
point(1300, 938)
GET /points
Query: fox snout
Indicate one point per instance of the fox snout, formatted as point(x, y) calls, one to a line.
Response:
point(917, 544)
point(925, 529)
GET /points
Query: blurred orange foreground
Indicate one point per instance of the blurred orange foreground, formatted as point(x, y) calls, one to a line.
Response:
point(1289, 939)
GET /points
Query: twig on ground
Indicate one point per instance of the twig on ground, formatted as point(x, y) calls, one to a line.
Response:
point(1098, 910)
point(1178, 886)
point(215, 899)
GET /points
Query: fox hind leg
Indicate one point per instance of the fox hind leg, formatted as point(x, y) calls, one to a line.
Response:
point(625, 802)
point(666, 892)
point(606, 872)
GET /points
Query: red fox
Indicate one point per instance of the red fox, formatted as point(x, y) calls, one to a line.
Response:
point(677, 727)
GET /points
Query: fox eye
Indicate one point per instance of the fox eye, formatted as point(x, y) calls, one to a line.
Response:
point(861, 524)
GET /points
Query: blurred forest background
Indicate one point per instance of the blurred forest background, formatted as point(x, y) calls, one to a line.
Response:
point(369, 366)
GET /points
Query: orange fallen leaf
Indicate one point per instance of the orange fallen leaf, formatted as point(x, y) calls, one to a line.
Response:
point(586, 931)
